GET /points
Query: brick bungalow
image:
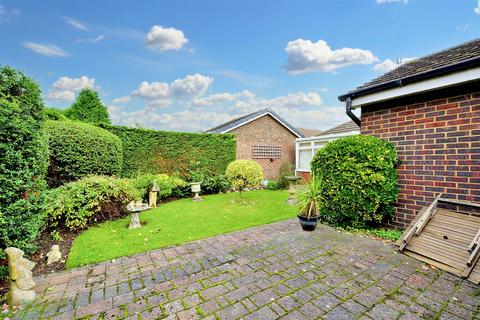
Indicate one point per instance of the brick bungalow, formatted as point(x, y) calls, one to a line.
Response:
point(430, 110)
point(265, 137)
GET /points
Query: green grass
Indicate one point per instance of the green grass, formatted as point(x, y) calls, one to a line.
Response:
point(178, 222)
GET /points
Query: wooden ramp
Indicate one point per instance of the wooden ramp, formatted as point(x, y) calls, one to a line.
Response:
point(446, 234)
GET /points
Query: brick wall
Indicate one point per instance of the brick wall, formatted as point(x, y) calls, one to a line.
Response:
point(265, 131)
point(437, 136)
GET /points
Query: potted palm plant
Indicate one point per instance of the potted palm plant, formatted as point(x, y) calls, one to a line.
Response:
point(308, 200)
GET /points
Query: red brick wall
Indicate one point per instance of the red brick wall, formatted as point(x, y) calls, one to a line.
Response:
point(438, 141)
point(265, 131)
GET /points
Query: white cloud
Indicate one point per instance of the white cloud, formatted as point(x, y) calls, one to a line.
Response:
point(191, 85)
point(46, 49)
point(391, 1)
point(124, 99)
point(65, 88)
point(219, 99)
point(6, 14)
point(163, 39)
point(75, 23)
point(305, 56)
point(292, 100)
point(388, 65)
point(477, 9)
point(91, 39)
point(152, 91)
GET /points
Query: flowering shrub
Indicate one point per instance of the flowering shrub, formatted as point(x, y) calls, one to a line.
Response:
point(244, 174)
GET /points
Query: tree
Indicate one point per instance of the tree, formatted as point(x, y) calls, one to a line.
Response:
point(244, 174)
point(23, 160)
point(88, 108)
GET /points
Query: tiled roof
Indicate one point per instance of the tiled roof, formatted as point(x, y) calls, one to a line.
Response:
point(342, 128)
point(227, 126)
point(449, 57)
point(310, 132)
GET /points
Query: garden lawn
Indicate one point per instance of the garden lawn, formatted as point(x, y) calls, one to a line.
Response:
point(178, 222)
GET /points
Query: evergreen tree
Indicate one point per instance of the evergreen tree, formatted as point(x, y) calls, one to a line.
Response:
point(88, 108)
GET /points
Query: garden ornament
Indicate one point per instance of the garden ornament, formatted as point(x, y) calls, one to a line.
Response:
point(54, 254)
point(135, 208)
point(196, 188)
point(291, 190)
point(152, 199)
point(21, 279)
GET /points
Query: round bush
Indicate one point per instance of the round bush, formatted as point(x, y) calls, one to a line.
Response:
point(359, 180)
point(23, 161)
point(90, 200)
point(78, 149)
point(244, 174)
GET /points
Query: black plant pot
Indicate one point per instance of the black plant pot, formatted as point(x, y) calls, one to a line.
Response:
point(308, 224)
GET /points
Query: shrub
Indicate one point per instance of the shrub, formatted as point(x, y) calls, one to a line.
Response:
point(54, 114)
point(92, 199)
point(153, 151)
point(166, 184)
point(244, 174)
point(210, 183)
point(359, 180)
point(273, 185)
point(79, 149)
point(286, 169)
point(88, 108)
point(23, 161)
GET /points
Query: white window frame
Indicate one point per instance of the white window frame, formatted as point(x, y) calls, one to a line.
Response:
point(314, 148)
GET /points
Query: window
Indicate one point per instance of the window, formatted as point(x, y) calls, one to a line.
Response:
point(267, 152)
point(305, 153)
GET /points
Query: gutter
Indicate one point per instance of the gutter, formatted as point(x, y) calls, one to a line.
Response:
point(348, 111)
point(465, 64)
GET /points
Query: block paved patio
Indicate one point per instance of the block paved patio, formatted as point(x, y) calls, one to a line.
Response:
point(274, 271)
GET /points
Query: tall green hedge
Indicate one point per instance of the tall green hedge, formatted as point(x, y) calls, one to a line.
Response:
point(79, 149)
point(152, 151)
point(358, 180)
point(23, 160)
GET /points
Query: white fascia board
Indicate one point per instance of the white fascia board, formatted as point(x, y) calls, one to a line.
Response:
point(264, 114)
point(418, 87)
point(328, 136)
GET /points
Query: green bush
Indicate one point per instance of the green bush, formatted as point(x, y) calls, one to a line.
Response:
point(359, 180)
point(23, 161)
point(153, 151)
point(90, 200)
point(166, 184)
point(54, 114)
point(210, 183)
point(244, 174)
point(273, 185)
point(286, 169)
point(88, 108)
point(79, 149)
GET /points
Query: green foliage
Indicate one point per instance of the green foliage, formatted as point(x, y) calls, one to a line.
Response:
point(54, 114)
point(359, 180)
point(286, 169)
point(23, 160)
point(273, 185)
point(92, 199)
point(381, 233)
point(309, 198)
point(88, 108)
point(244, 174)
point(153, 151)
point(166, 184)
point(210, 183)
point(80, 149)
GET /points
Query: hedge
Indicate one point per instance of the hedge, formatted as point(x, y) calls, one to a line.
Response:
point(358, 180)
point(153, 151)
point(79, 149)
point(23, 161)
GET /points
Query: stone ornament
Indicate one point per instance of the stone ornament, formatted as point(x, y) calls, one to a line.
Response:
point(292, 180)
point(196, 188)
point(21, 277)
point(135, 208)
point(152, 198)
point(54, 255)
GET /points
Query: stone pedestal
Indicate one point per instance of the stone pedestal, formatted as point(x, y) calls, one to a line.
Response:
point(134, 220)
point(196, 188)
point(152, 199)
point(21, 278)
point(292, 200)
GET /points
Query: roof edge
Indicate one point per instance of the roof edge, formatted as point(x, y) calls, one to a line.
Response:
point(465, 64)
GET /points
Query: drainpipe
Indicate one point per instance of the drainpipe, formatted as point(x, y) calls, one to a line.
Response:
point(348, 110)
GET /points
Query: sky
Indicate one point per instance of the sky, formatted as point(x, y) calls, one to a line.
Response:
point(191, 65)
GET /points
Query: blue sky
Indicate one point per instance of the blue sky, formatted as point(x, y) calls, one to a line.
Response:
point(190, 65)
